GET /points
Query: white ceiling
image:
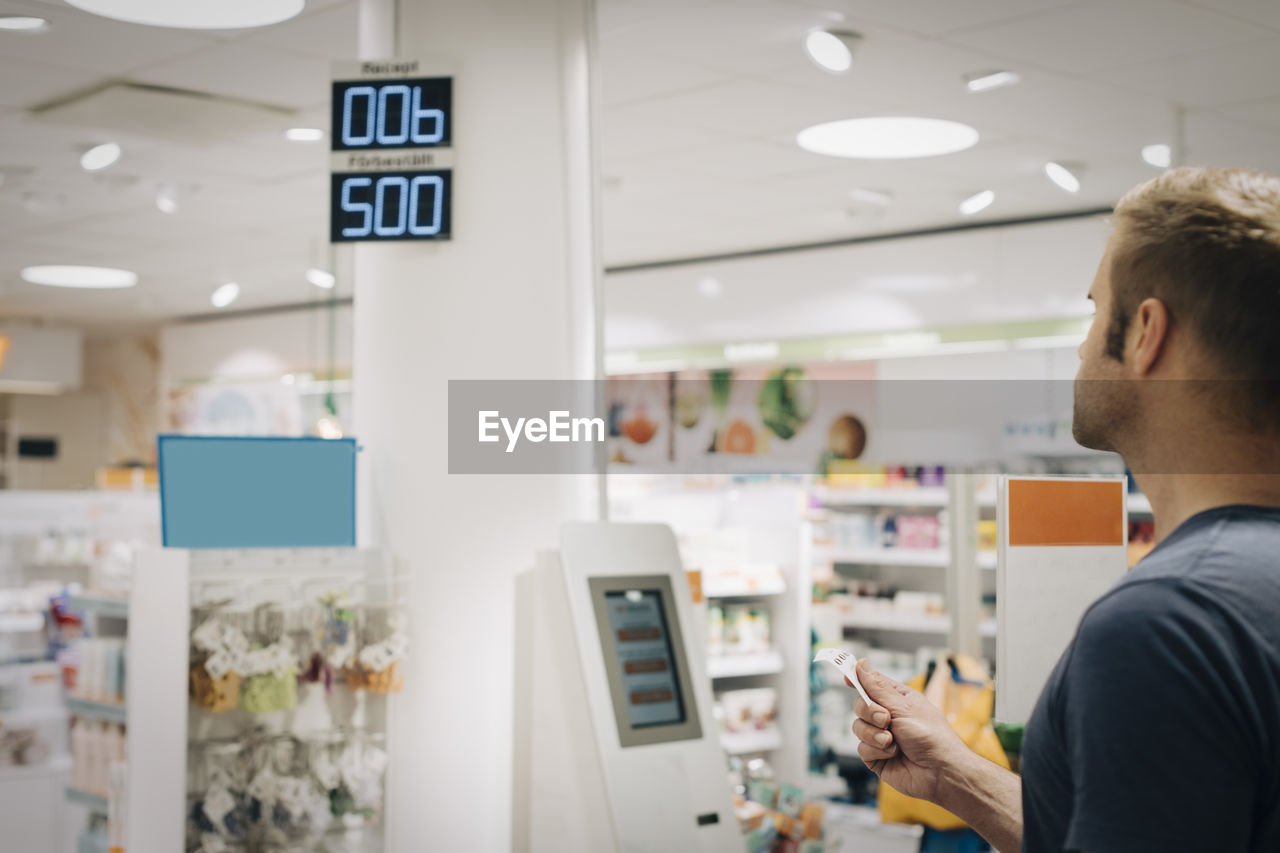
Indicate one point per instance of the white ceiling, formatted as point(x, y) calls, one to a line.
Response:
point(702, 101)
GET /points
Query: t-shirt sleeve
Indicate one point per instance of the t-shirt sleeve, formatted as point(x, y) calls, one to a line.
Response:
point(1160, 751)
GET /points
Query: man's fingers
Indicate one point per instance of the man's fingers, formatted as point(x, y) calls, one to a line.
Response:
point(868, 733)
point(873, 714)
point(869, 753)
point(882, 689)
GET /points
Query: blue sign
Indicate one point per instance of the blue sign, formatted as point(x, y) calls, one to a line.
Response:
point(241, 492)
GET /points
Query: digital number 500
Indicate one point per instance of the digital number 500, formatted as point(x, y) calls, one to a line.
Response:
point(390, 206)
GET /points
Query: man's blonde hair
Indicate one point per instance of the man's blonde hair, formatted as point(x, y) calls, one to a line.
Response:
point(1206, 243)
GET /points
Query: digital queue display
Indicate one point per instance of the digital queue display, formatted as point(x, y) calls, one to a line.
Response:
point(385, 114)
point(389, 206)
point(392, 167)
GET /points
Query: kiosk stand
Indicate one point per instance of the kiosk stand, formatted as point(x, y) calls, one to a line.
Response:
point(615, 745)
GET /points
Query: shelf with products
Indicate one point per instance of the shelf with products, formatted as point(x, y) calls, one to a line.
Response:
point(915, 557)
point(100, 604)
point(95, 803)
point(888, 573)
point(746, 743)
point(921, 623)
point(268, 678)
point(112, 712)
point(743, 665)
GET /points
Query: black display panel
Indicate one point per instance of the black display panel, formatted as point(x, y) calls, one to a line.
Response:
point(644, 659)
point(373, 115)
point(373, 206)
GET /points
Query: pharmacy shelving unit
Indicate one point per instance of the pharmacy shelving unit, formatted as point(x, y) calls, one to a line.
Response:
point(956, 569)
point(162, 724)
point(107, 616)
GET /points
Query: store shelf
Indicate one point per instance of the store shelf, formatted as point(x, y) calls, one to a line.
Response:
point(742, 743)
point(109, 711)
point(744, 590)
point(926, 558)
point(94, 802)
point(922, 623)
point(1139, 504)
point(20, 623)
point(25, 656)
point(101, 605)
point(734, 666)
point(24, 772)
point(921, 557)
point(924, 497)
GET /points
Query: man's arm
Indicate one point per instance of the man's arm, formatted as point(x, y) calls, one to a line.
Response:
point(908, 743)
point(988, 798)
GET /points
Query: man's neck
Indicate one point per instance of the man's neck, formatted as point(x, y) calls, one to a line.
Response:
point(1177, 497)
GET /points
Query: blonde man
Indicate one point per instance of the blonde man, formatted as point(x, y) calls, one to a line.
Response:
point(1159, 728)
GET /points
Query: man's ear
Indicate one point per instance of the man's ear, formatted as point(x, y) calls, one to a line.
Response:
point(1148, 334)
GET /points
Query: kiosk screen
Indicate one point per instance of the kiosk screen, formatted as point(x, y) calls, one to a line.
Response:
point(642, 644)
point(645, 660)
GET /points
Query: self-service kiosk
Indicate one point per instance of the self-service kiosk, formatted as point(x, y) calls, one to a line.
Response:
point(615, 746)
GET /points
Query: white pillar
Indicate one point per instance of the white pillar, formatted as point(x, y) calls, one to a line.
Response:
point(511, 296)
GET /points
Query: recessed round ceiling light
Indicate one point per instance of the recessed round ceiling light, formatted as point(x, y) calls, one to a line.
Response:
point(66, 275)
point(887, 138)
point(195, 14)
point(977, 202)
point(1159, 155)
point(167, 201)
point(321, 278)
point(831, 50)
point(988, 80)
point(304, 134)
point(225, 295)
point(23, 23)
point(100, 156)
point(710, 286)
point(1062, 176)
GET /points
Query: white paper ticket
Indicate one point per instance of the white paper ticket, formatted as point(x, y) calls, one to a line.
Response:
point(848, 666)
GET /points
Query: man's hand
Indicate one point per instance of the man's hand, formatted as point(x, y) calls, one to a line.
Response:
point(905, 740)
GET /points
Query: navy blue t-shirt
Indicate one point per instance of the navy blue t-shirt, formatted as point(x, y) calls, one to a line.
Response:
point(1159, 728)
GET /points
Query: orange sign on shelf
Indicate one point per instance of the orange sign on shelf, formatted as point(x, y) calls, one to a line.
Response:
point(695, 585)
point(650, 697)
point(1066, 512)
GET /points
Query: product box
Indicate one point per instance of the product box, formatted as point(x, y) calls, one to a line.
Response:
point(748, 710)
point(763, 792)
point(811, 819)
point(790, 800)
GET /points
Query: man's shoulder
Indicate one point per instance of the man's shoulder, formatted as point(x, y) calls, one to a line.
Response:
point(1226, 550)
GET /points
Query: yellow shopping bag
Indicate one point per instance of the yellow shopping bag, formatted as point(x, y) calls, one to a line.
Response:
point(960, 687)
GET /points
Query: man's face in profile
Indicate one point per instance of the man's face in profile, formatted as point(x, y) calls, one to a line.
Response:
point(1103, 410)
